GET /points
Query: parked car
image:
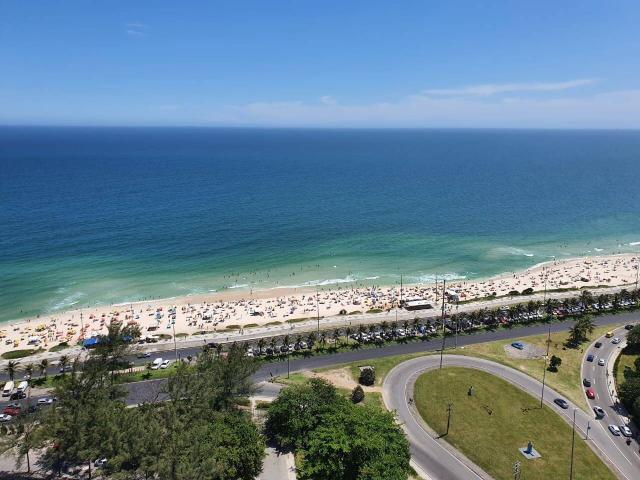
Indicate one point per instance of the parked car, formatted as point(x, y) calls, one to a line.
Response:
point(12, 410)
point(590, 358)
point(586, 382)
point(156, 363)
point(601, 362)
point(4, 417)
point(165, 364)
point(100, 463)
point(562, 403)
point(599, 412)
point(18, 396)
point(626, 431)
point(46, 401)
point(590, 393)
point(614, 430)
point(518, 345)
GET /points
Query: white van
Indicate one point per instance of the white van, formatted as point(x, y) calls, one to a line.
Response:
point(8, 389)
point(23, 386)
point(156, 363)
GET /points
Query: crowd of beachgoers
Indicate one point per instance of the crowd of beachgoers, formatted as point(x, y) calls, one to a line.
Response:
point(241, 310)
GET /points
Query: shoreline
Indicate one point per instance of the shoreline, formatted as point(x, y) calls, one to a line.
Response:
point(220, 311)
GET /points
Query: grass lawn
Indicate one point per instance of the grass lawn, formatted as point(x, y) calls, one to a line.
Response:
point(566, 381)
point(491, 440)
point(13, 354)
point(59, 347)
point(625, 359)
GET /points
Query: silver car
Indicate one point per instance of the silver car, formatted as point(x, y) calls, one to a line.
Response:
point(614, 430)
point(626, 431)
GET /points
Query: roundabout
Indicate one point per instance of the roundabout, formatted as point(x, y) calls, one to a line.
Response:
point(433, 457)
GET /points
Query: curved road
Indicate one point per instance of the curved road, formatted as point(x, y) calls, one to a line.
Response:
point(440, 461)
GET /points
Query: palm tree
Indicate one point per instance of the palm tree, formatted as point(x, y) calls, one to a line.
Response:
point(64, 361)
point(42, 366)
point(12, 368)
point(586, 299)
point(311, 338)
point(336, 337)
point(28, 370)
point(323, 338)
point(261, 344)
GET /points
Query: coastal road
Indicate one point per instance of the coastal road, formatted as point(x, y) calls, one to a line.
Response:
point(603, 385)
point(187, 346)
point(441, 461)
point(298, 363)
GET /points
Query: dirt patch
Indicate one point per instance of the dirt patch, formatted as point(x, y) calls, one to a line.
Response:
point(528, 352)
point(341, 378)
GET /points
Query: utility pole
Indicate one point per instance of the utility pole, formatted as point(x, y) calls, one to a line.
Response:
point(573, 443)
point(637, 269)
point(544, 376)
point(400, 289)
point(318, 307)
point(449, 408)
point(444, 335)
point(81, 327)
point(175, 344)
point(287, 363)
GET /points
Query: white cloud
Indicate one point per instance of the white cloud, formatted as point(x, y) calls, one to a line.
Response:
point(616, 109)
point(136, 29)
point(328, 100)
point(493, 89)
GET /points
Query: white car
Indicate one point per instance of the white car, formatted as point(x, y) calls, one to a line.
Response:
point(614, 430)
point(601, 362)
point(156, 363)
point(626, 431)
point(143, 355)
point(100, 463)
point(46, 401)
point(615, 341)
point(165, 364)
point(4, 417)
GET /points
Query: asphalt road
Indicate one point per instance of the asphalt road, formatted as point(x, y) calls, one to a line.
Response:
point(441, 461)
point(603, 387)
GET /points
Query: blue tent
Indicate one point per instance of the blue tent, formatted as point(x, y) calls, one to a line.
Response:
point(91, 342)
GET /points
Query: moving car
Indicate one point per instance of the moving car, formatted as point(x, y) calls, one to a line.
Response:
point(586, 382)
point(561, 402)
point(615, 341)
point(614, 430)
point(609, 335)
point(143, 355)
point(518, 345)
point(590, 393)
point(626, 431)
point(598, 344)
point(601, 362)
point(599, 412)
point(628, 327)
point(590, 357)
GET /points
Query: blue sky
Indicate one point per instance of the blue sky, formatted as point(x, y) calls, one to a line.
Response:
point(423, 63)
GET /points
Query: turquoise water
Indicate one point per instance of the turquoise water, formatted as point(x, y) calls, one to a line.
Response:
point(114, 215)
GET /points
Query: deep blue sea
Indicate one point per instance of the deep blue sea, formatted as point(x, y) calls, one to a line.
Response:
point(109, 215)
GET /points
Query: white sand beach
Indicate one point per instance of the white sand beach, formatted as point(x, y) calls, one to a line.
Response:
point(241, 309)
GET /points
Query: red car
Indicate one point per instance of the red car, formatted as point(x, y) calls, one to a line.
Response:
point(591, 393)
point(11, 410)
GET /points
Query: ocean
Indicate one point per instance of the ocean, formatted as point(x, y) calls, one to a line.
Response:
point(109, 215)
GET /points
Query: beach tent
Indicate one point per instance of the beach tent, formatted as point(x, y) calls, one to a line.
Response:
point(90, 342)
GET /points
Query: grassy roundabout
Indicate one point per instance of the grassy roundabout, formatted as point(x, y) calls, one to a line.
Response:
point(491, 425)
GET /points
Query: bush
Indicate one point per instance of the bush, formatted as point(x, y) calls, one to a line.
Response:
point(554, 363)
point(357, 395)
point(367, 377)
point(19, 353)
point(527, 291)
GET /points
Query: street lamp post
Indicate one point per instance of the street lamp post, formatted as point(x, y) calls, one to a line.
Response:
point(573, 443)
point(544, 375)
point(449, 409)
point(175, 344)
point(444, 334)
point(318, 307)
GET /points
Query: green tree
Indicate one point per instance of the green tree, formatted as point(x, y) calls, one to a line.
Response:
point(26, 436)
point(630, 391)
point(357, 394)
point(633, 338)
point(580, 331)
point(43, 366)
point(357, 442)
point(63, 362)
point(298, 410)
point(367, 376)
point(12, 368)
point(554, 363)
point(28, 370)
